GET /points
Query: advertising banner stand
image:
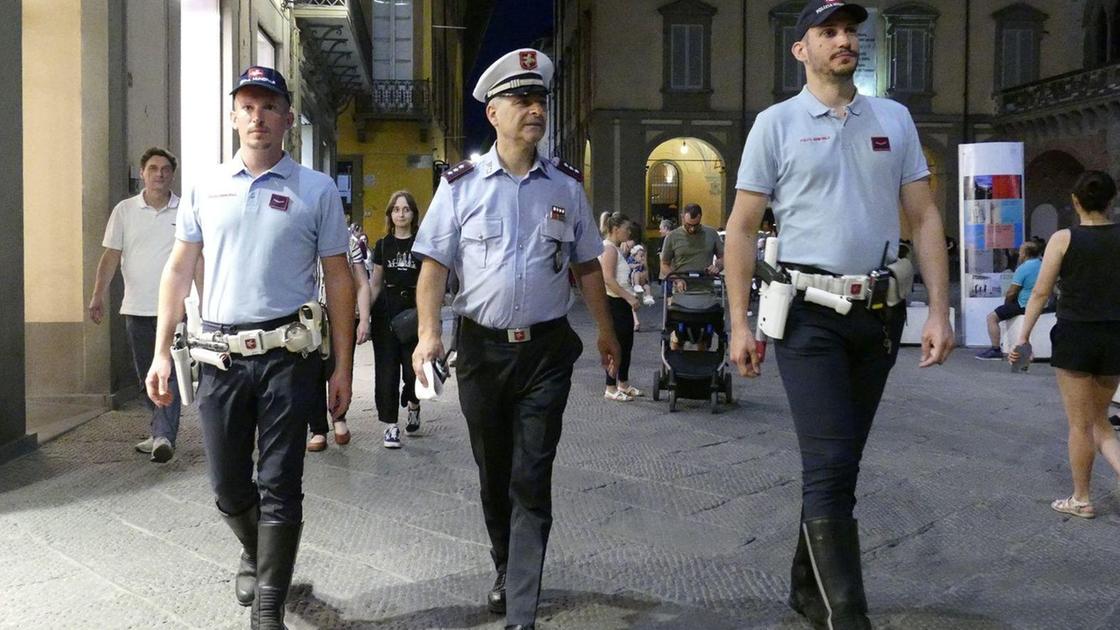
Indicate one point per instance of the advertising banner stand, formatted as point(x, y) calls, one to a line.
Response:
point(992, 229)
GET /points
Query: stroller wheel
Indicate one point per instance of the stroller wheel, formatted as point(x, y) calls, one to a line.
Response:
point(672, 400)
point(655, 391)
point(715, 401)
point(727, 381)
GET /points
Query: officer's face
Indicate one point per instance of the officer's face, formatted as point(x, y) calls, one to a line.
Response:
point(157, 174)
point(518, 118)
point(261, 117)
point(830, 50)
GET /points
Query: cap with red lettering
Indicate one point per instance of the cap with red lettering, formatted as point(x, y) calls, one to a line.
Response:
point(818, 11)
point(267, 78)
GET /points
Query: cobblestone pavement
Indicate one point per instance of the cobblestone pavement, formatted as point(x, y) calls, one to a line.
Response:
point(663, 520)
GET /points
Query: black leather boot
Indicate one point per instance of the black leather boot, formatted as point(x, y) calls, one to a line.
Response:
point(244, 526)
point(277, 544)
point(804, 596)
point(496, 598)
point(833, 545)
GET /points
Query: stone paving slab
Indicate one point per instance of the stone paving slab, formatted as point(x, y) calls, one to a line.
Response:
point(682, 520)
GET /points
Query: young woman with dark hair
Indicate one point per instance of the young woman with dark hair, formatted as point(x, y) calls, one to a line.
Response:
point(1086, 337)
point(621, 300)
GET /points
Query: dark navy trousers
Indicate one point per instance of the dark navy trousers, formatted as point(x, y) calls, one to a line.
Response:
point(263, 401)
point(142, 339)
point(834, 368)
point(513, 396)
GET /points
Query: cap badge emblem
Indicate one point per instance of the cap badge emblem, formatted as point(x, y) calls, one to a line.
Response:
point(528, 59)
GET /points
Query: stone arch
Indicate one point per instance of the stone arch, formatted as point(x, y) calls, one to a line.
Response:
point(702, 172)
point(1050, 177)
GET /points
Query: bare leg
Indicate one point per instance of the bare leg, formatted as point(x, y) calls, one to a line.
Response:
point(993, 329)
point(1103, 433)
point(1081, 404)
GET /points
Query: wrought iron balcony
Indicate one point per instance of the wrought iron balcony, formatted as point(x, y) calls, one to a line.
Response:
point(1072, 90)
point(402, 100)
point(338, 40)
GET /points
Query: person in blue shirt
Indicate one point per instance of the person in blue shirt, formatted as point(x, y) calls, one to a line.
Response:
point(264, 224)
point(1016, 298)
point(510, 225)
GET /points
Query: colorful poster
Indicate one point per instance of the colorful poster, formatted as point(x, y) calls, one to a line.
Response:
point(991, 220)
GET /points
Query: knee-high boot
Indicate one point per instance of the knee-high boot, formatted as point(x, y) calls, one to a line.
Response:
point(277, 544)
point(804, 596)
point(244, 526)
point(833, 546)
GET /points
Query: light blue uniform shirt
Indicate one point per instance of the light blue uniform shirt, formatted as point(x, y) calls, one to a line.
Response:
point(1026, 276)
point(500, 235)
point(262, 238)
point(834, 183)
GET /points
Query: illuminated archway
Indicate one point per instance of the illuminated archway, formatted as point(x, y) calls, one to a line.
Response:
point(680, 171)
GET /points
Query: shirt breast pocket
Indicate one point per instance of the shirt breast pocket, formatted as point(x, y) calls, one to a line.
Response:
point(481, 240)
point(558, 237)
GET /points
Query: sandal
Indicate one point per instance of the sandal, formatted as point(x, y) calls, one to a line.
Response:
point(1082, 509)
point(618, 395)
point(318, 442)
point(341, 438)
point(631, 391)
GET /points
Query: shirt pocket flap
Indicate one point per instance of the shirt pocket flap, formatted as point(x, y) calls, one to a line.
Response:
point(555, 230)
point(482, 229)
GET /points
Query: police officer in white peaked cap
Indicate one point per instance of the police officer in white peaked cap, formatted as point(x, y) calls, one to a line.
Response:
point(511, 225)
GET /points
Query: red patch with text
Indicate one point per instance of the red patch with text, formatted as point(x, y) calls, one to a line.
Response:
point(279, 202)
point(880, 143)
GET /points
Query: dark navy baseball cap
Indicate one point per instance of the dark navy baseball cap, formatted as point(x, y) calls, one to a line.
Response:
point(267, 78)
point(818, 11)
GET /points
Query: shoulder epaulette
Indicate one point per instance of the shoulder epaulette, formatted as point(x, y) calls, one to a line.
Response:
point(459, 170)
point(567, 169)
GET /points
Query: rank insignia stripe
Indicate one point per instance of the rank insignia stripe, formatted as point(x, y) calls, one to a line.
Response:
point(458, 171)
point(568, 169)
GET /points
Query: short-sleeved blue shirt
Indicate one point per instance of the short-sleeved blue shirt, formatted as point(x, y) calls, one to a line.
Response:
point(262, 238)
point(1025, 276)
point(501, 234)
point(834, 183)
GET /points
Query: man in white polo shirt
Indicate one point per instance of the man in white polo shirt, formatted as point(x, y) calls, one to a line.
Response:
point(138, 237)
point(836, 166)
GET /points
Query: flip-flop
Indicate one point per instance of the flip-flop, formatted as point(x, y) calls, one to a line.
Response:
point(618, 395)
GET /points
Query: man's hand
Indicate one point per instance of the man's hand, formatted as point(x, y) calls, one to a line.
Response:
point(937, 341)
point(426, 350)
point(744, 353)
point(610, 353)
point(156, 382)
point(339, 393)
point(362, 335)
point(96, 308)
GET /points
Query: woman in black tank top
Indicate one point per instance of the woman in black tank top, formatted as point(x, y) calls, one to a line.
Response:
point(1086, 338)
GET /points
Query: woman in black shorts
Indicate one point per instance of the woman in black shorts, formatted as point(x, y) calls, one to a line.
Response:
point(1086, 338)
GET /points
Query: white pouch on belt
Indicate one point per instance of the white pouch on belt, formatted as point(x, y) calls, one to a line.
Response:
point(773, 308)
point(901, 281)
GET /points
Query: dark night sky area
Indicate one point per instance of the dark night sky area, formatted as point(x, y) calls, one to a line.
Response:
point(513, 24)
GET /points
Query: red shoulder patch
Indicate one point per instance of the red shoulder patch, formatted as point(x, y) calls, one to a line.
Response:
point(568, 169)
point(457, 171)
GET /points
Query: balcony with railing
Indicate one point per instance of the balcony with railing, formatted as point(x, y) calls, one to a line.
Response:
point(1078, 91)
point(394, 100)
point(337, 37)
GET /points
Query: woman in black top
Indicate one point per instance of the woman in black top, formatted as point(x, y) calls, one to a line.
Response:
point(394, 276)
point(1086, 338)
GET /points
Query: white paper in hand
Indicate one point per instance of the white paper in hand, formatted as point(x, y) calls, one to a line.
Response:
point(435, 385)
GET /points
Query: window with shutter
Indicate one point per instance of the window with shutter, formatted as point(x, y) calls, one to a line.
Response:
point(1019, 29)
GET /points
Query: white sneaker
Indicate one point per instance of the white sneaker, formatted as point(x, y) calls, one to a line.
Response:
point(162, 451)
point(145, 446)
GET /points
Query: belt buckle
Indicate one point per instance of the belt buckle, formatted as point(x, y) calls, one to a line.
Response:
point(251, 342)
point(518, 335)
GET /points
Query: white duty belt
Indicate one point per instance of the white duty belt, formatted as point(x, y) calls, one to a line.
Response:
point(851, 287)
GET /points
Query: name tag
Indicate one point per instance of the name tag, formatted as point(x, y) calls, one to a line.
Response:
point(279, 202)
point(880, 143)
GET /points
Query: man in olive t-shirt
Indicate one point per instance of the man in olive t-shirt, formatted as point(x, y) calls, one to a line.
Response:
point(692, 247)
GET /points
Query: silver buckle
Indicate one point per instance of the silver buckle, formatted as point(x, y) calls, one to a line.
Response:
point(251, 342)
point(518, 335)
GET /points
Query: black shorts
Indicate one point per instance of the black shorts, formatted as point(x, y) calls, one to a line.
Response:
point(1090, 347)
point(1006, 311)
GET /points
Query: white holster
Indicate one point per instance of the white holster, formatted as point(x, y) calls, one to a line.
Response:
point(774, 301)
point(901, 282)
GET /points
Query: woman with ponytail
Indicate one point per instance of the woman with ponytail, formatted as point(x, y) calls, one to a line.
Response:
point(620, 299)
point(1086, 338)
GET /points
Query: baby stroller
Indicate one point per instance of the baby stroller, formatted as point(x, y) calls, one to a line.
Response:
point(693, 340)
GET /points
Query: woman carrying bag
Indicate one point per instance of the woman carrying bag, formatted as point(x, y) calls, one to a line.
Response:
point(393, 282)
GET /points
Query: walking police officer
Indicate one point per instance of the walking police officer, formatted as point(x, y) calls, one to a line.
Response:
point(263, 222)
point(510, 225)
point(836, 165)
